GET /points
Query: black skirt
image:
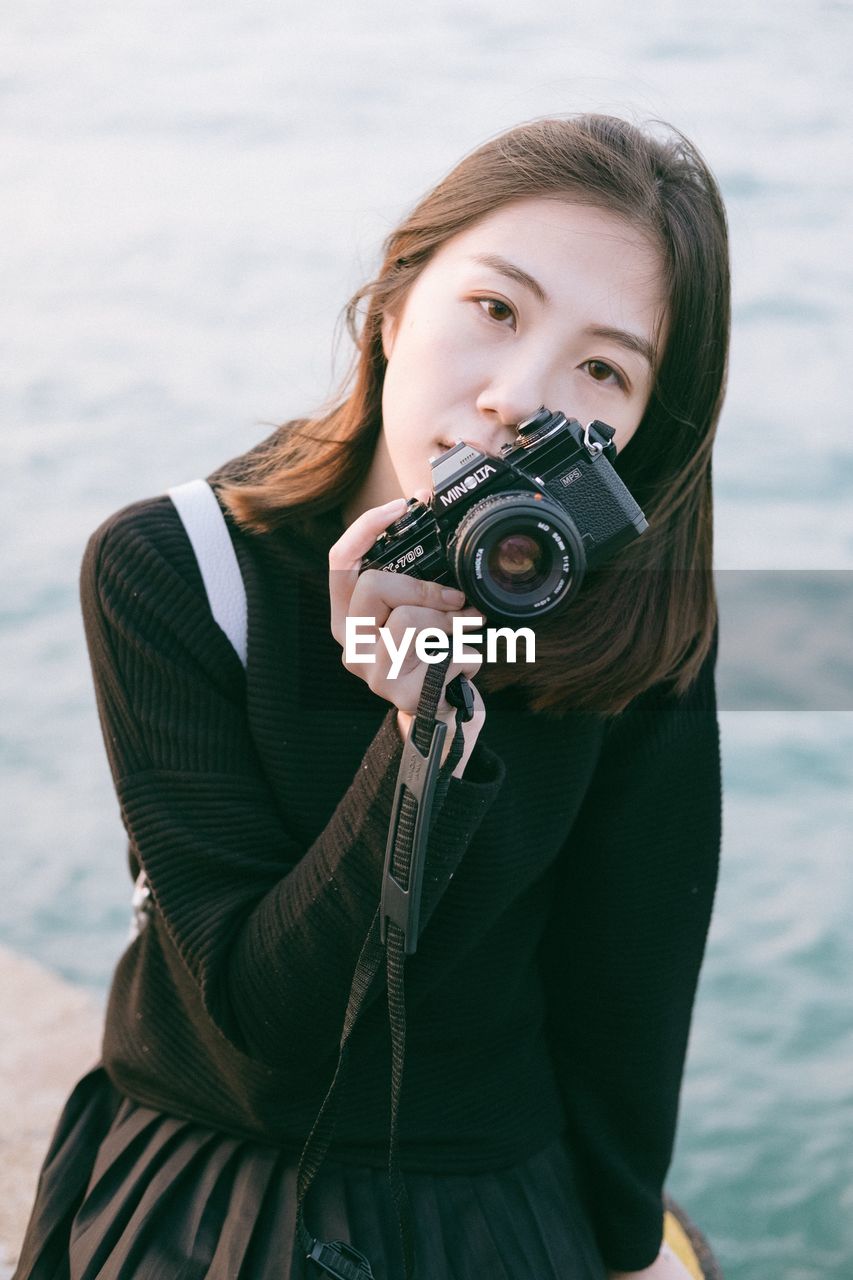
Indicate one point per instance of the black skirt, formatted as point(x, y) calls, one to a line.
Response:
point(126, 1191)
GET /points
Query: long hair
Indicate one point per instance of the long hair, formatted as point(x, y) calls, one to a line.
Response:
point(651, 617)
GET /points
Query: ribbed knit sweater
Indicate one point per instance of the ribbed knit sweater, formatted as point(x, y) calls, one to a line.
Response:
point(569, 886)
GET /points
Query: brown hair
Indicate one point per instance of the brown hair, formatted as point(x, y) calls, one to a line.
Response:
point(651, 617)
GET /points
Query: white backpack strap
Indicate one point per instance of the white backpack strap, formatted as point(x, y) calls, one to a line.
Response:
point(204, 522)
point(201, 515)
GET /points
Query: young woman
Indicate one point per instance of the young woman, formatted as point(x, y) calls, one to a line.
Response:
point(576, 263)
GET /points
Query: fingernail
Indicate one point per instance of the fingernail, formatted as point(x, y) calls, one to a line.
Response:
point(451, 596)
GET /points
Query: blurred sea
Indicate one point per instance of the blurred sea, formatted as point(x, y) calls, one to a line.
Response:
point(190, 194)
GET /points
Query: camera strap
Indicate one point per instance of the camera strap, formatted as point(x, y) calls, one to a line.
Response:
point(421, 788)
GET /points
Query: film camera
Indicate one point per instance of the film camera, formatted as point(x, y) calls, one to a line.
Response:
point(517, 533)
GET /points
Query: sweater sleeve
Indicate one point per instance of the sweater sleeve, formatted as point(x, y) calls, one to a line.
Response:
point(623, 951)
point(268, 930)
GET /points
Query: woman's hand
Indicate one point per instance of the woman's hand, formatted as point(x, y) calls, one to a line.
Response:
point(396, 601)
point(666, 1266)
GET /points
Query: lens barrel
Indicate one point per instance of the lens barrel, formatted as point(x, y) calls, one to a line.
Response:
point(517, 555)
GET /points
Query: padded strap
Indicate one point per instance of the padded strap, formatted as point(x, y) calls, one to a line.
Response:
point(207, 531)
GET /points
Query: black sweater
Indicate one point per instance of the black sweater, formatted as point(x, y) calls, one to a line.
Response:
point(567, 898)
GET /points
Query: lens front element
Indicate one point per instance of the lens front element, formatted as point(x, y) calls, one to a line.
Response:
point(516, 563)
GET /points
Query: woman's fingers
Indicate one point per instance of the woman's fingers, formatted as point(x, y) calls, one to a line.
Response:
point(376, 594)
point(395, 670)
point(346, 554)
point(409, 628)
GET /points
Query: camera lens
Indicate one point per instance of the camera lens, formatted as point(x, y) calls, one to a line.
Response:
point(518, 562)
point(517, 555)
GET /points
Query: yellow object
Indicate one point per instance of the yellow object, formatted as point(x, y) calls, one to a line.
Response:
point(676, 1237)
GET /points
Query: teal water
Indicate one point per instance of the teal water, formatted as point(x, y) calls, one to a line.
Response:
point(188, 197)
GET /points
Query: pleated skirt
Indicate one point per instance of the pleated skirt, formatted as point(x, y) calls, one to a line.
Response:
point(126, 1191)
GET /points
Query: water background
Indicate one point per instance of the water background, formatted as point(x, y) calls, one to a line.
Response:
point(187, 197)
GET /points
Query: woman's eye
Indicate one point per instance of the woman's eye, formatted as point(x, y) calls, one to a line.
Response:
point(600, 371)
point(497, 310)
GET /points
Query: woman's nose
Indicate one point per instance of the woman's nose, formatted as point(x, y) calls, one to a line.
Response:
point(510, 396)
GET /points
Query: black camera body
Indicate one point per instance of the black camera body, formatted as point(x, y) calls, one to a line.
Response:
point(517, 533)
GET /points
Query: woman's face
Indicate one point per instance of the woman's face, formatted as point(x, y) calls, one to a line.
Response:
point(541, 302)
